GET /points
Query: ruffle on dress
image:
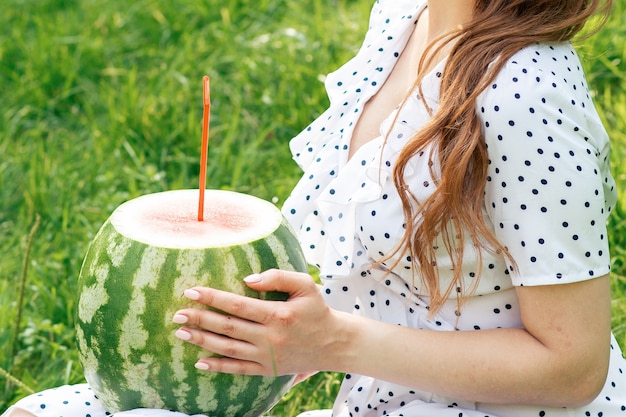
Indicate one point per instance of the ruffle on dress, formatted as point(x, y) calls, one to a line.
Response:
point(332, 241)
point(347, 88)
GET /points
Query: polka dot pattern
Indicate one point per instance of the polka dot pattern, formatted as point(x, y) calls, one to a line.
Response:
point(80, 401)
point(547, 198)
point(549, 188)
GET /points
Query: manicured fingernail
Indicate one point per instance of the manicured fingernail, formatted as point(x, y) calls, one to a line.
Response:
point(183, 334)
point(202, 366)
point(192, 294)
point(179, 319)
point(251, 279)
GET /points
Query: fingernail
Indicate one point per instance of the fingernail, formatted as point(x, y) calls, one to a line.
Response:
point(192, 294)
point(179, 319)
point(183, 334)
point(202, 366)
point(251, 279)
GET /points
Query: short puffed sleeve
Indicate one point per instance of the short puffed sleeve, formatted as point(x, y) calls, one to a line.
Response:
point(549, 189)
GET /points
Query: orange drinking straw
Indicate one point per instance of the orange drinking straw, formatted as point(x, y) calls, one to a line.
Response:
point(205, 144)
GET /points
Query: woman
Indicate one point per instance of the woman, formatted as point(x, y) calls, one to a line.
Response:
point(454, 198)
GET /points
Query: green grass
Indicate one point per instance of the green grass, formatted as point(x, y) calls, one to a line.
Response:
point(101, 102)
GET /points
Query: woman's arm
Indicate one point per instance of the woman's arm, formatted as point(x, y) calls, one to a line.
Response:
point(560, 358)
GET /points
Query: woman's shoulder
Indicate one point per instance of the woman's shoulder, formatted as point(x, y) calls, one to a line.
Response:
point(541, 92)
point(552, 65)
point(546, 76)
point(544, 52)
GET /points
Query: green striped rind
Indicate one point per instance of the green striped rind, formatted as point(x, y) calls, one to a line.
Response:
point(129, 292)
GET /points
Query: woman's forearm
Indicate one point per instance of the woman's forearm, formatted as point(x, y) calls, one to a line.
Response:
point(559, 359)
point(494, 366)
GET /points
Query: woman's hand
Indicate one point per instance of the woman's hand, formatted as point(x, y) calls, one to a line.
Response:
point(258, 337)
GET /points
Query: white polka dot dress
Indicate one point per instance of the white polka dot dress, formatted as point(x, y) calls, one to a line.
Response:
point(548, 195)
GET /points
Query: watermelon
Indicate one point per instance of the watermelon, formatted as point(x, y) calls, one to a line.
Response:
point(146, 254)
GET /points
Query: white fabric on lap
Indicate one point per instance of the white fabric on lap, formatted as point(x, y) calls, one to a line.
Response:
point(69, 400)
point(80, 401)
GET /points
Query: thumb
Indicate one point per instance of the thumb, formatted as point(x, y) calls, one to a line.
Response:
point(291, 282)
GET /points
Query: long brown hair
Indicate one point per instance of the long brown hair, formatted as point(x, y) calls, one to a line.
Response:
point(454, 213)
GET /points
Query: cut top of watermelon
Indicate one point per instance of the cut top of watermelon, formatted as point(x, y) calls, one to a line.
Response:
point(170, 219)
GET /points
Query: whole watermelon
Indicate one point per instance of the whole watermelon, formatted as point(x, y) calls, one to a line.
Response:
point(146, 254)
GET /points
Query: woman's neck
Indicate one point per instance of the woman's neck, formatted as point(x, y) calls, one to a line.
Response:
point(446, 15)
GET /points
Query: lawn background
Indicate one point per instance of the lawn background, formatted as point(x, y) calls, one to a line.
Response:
point(101, 102)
